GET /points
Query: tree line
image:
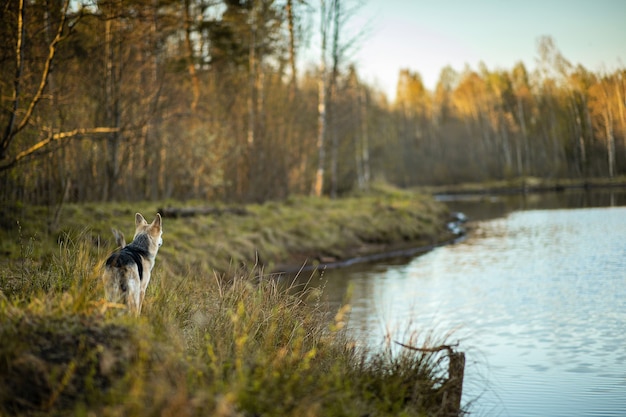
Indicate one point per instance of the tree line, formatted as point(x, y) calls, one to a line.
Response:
point(160, 99)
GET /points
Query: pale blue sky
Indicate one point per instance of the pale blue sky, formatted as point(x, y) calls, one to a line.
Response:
point(424, 36)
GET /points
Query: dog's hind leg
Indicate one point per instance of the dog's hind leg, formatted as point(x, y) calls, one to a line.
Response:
point(115, 286)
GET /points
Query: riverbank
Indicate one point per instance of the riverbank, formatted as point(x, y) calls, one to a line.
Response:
point(217, 335)
point(530, 286)
point(523, 185)
point(275, 236)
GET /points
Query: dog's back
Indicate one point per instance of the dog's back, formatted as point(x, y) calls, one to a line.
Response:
point(129, 256)
point(123, 275)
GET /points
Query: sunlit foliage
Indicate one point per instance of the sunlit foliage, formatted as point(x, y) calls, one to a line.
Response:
point(155, 100)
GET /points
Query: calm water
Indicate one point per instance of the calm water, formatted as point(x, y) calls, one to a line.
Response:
point(537, 298)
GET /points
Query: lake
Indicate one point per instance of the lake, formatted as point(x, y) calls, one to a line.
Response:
point(536, 296)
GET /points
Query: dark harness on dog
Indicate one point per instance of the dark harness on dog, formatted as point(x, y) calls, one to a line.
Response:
point(128, 255)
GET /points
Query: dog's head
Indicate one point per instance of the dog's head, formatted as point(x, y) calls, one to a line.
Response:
point(153, 230)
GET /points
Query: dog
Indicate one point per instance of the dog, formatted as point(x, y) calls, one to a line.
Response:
point(127, 271)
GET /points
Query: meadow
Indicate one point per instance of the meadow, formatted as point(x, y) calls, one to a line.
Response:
point(219, 333)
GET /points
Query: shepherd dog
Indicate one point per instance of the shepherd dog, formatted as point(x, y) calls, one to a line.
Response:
point(127, 271)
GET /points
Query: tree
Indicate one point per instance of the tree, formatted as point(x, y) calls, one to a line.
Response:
point(442, 100)
point(202, 99)
point(414, 105)
point(523, 96)
point(579, 82)
point(30, 81)
point(501, 108)
point(333, 22)
point(602, 103)
point(362, 147)
point(321, 106)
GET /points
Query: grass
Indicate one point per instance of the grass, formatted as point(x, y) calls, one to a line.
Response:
point(227, 343)
point(299, 230)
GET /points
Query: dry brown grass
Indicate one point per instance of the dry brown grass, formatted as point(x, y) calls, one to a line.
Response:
point(225, 343)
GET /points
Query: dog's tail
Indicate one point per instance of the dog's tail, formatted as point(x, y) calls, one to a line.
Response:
point(119, 238)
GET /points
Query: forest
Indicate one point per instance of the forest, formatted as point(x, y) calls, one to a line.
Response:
point(204, 99)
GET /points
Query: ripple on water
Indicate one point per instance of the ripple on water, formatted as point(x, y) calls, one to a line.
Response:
point(540, 294)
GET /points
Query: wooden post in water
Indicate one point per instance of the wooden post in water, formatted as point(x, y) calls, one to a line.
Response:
point(456, 372)
point(453, 388)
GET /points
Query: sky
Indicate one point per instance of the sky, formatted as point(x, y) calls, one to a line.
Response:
point(426, 35)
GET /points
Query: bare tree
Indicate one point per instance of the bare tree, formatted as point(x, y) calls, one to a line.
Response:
point(603, 111)
point(293, 84)
point(334, 18)
point(191, 64)
point(363, 158)
point(335, 53)
point(21, 115)
point(321, 106)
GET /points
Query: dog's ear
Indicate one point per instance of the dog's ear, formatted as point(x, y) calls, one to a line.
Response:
point(139, 220)
point(157, 221)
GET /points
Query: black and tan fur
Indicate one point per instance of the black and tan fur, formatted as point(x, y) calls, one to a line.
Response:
point(127, 271)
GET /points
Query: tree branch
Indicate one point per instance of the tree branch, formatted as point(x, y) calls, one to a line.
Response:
point(8, 133)
point(46, 71)
point(12, 130)
point(449, 348)
point(11, 162)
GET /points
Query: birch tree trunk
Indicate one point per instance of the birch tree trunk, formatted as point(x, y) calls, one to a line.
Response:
point(111, 103)
point(252, 67)
point(365, 153)
point(19, 55)
point(608, 124)
point(522, 161)
point(154, 152)
point(321, 106)
point(581, 136)
point(336, 13)
point(195, 82)
point(292, 50)
point(621, 102)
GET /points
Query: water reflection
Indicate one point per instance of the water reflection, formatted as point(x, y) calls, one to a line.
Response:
point(482, 207)
point(538, 297)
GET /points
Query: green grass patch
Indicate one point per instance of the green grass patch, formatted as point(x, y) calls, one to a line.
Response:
point(273, 234)
point(217, 335)
point(234, 344)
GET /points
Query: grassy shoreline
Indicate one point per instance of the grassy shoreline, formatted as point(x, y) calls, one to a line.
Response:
point(217, 335)
point(276, 236)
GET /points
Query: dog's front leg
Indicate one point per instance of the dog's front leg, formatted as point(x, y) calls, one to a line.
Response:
point(144, 287)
